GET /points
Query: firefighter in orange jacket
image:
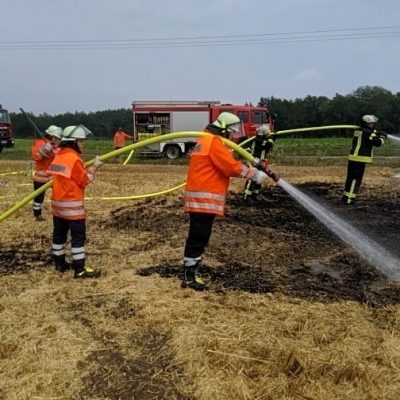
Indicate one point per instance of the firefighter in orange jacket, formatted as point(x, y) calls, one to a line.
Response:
point(361, 153)
point(43, 152)
point(210, 168)
point(119, 138)
point(70, 177)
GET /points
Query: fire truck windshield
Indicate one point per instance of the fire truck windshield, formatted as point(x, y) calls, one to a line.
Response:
point(259, 117)
point(4, 117)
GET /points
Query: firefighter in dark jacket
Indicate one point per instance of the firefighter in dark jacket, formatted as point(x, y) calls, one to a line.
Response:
point(260, 147)
point(361, 153)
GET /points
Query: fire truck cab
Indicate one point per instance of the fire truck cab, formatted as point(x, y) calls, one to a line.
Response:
point(153, 118)
point(6, 131)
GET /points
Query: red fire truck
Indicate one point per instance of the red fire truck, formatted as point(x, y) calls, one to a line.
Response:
point(152, 118)
point(6, 131)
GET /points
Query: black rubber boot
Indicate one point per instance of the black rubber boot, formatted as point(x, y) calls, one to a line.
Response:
point(347, 200)
point(82, 272)
point(193, 279)
point(61, 264)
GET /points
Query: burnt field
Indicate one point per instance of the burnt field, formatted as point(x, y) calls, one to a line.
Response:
point(293, 312)
point(270, 245)
point(275, 245)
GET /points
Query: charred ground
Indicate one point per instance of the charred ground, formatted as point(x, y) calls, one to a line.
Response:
point(275, 245)
point(271, 246)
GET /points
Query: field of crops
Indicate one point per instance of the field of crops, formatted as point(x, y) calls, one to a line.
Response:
point(293, 313)
point(329, 150)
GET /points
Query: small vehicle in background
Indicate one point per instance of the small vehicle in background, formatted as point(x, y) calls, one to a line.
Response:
point(6, 129)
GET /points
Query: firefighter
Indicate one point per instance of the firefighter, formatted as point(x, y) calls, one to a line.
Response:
point(43, 152)
point(119, 139)
point(210, 168)
point(70, 177)
point(361, 153)
point(260, 147)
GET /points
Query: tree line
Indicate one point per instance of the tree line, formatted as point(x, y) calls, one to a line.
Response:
point(341, 109)
point(298, 113)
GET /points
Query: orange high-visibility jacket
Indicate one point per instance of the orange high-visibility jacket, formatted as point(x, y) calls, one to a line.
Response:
point(210, 167)
point(69, 181)
point(42, 161)
point(120, 137)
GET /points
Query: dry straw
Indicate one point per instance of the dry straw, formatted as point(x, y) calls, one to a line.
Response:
point(130, 336)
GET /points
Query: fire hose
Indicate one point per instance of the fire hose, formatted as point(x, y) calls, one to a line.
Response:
point(115, 153)
point(176, 135)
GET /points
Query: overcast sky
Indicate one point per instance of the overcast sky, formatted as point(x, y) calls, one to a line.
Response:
point(58, 56)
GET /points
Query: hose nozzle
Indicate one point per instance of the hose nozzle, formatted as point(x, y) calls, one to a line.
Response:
point(274, 176)
point(263, 165)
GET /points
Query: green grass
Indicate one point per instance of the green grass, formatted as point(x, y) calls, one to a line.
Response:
point(330, 147)
point(307, 151)
point(327, 151)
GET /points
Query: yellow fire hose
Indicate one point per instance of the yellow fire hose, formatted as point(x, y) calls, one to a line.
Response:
point(157, 139)
point(140, 196)
point(316, 128)
point(299, 130)
point(242, 144)
point(128, 158)
point(116, 153)
point(16, 173)
point(277, 133)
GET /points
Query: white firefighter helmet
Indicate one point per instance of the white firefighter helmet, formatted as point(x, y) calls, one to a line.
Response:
point(369, 119)
point(54, 131)
point(75, 132)
point(230, 123)
point(263, 130)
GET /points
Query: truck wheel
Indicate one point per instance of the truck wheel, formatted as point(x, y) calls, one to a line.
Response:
point(172, 152)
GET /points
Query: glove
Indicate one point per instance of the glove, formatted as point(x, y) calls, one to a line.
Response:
point(97, 163)
point(46, 150)
point(91, 172)
point(259, 176)
point(382, 134)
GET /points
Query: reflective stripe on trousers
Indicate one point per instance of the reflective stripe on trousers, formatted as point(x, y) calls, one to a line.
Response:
point(78, 253)
point(36, 206)
point(58, 249)
point(190, 261)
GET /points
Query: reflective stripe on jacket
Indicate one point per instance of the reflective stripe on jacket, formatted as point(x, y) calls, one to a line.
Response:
point(362, 145)
point(42, 161)
point(210, 167)
point(69, 181)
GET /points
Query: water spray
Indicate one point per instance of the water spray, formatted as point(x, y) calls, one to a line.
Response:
point(392, 137)
point(367, 249)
